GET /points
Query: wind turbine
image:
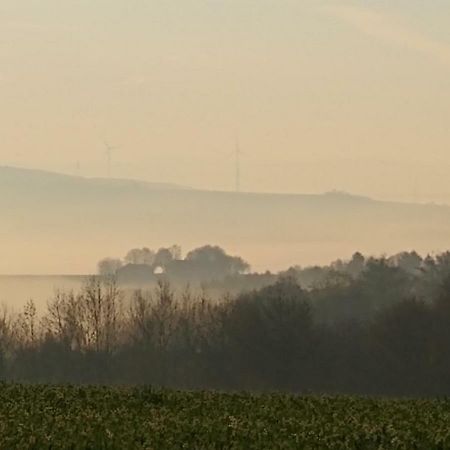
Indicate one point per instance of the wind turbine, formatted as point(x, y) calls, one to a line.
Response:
point(109, 151)
point(238, 153)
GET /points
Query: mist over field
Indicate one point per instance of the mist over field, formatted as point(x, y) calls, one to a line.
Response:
point(57, 224)
point(59, 227)
point(15, 291)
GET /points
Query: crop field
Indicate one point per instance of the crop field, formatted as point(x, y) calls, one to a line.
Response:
point(144, 418)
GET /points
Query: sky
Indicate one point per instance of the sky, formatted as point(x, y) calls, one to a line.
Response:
point(322, 95)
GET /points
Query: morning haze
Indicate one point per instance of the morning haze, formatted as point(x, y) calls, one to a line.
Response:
point(321, 96)
point(225, 224)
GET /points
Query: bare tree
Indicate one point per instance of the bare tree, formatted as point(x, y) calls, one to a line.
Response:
point(64, 320)
point(27, 326)
point(101, 303)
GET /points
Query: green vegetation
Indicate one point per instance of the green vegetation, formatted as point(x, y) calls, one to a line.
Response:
point(97, 418)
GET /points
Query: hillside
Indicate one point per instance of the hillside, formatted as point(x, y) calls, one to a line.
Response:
point(52, 223)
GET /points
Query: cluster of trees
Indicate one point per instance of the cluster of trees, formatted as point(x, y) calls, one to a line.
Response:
point(140, 256)
point(419, 276)
point(203, 263)
point(381, 330)
point(409, 262)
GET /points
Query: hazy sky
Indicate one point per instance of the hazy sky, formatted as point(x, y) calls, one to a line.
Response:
point(323, 94)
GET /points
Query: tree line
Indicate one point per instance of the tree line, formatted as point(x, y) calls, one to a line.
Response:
point(383, 330)
point(203, 263)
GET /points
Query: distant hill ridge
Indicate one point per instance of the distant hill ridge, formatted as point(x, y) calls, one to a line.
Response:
point(10, 175)
point(54, 223)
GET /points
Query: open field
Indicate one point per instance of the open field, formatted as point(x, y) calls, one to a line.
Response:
point(145, 418)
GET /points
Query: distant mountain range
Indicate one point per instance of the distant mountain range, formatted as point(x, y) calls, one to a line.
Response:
point(54, 223)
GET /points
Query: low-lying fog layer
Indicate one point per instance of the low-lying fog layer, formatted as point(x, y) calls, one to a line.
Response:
point(59, 224)
point(15, 291)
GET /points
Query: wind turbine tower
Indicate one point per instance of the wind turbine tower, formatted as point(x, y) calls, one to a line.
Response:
point(238, 154)
point(109, 150)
